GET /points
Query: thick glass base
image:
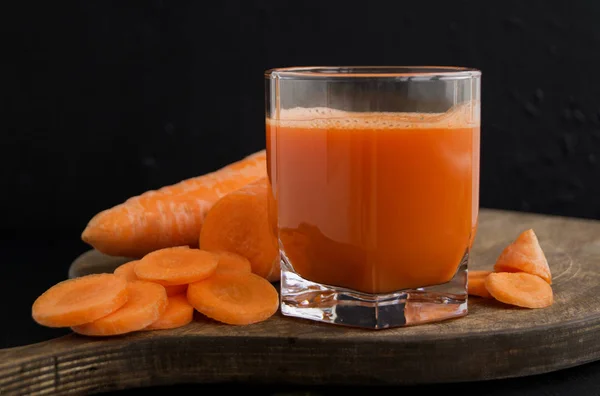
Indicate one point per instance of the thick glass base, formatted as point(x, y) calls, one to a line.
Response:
point(302, 298)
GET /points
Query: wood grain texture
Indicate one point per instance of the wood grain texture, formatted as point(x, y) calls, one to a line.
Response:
point(493, 341)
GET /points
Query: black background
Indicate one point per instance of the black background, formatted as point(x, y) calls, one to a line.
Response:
point(104, 100)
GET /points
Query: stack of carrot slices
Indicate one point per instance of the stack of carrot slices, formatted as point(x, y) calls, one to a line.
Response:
point(520, 277)
point(160, 291)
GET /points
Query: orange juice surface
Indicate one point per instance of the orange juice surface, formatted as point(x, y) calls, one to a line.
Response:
point(375, 202)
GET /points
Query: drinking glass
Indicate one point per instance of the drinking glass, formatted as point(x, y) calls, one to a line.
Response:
point(374, 200)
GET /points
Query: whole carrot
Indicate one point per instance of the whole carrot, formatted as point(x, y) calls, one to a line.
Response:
point(170, 216)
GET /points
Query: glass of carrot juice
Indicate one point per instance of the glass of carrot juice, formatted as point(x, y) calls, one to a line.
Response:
point(374, 176)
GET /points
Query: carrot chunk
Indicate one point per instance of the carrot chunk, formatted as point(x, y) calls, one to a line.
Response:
point(179, 312)
point(524, 255)
point(476, 281)
point(80, 300)
point(520, 289)
point(146, 303)
point(176, 266)
point(240, 223)
point(235, 298)
point(170, 216)
point(229, 261)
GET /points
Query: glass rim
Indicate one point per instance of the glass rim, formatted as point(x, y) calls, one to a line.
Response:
point(373, 72)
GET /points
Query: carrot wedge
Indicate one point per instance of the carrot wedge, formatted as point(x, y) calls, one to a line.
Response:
point(147, 302)
point(235, 298)
point(477, 284)
point(524, 255)
point(176, 266)
point(520, 289)
point(179, 312)
point(240, 223)
point(80, 300)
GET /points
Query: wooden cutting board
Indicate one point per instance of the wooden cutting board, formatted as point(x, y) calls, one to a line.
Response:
point(492, 341)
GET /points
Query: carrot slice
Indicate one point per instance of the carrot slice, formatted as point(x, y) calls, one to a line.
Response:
point(127, 271)
point(477, 284)
point(240, 223)
point(147, 302)
point(80, 300)
point(524, 255)
point(520, 289)
point(229, 261)
point(179, 312)
point(176, 266)
point(176, 290)
point(235, 298)
point(170, 216)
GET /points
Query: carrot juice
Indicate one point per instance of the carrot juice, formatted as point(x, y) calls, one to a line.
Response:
point(374, 202)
